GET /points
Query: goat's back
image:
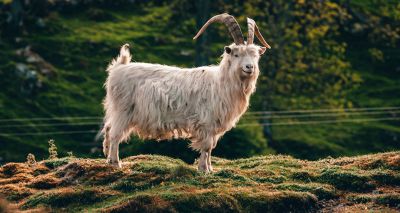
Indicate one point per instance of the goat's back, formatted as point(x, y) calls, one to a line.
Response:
point(161, 101)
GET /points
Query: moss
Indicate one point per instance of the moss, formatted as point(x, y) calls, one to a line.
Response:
point(302, 176)
point(157, 183)
point(40, 169)
point(359, 199)
point(45, 182)
point(202, 202)
point(276, 179)
point(12, 169)
point(142, 203)
point(230, 174)
point(387, 178)
point(277, 201)
point(320, 190)
point(392, 200)
point(184, 172)
point(346, 180)
point(64, 197)
point(15, 192)
point(56, 162)
point(137, 181)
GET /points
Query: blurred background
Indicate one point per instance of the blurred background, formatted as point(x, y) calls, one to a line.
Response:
point(330, 85)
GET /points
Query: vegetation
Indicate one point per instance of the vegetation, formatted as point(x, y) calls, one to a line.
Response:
point(326, 54)
point(273, 183)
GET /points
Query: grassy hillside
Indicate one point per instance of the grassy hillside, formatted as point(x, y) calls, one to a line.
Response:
point(273, 183)
point(78, 44)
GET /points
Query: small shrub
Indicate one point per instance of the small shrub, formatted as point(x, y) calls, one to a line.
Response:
point(52, 150)
point(30, 159)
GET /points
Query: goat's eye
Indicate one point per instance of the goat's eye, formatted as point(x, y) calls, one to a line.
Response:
point(236, 55)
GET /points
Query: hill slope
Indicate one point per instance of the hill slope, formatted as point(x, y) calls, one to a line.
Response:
point(79, 41)
point(156, 183)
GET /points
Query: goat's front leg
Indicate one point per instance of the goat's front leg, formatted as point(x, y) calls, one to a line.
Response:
point(210, 168)
point(203, 165)
point(113, 155)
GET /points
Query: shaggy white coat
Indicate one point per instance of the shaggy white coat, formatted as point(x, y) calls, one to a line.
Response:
point(159, 102)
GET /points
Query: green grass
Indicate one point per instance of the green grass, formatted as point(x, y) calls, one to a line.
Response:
point(81, 44)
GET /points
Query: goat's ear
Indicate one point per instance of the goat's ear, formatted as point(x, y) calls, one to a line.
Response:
point(262, 50)
point(228, 49)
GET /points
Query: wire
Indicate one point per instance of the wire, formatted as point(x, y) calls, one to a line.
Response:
point(54, 124)
point(326, 110)
point(248, 124)
point(319, 114)
point(50, 133)
point(338, 110)
point(320, 122)
point(244, 118)
point(50, 118)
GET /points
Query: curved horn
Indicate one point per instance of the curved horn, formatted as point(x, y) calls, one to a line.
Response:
point(230, 22)
point(253, 28)
point(250, 30)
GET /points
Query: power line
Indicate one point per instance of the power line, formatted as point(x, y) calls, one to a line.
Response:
point(337, 110)
point(333, 114)
point(321, 122)
point(50, 118)
point(248, 124)
point(47, 124)
point(244, 118)
point(49, 133)
point(326, 110)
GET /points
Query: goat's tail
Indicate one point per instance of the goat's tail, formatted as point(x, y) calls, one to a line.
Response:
point(124, 57)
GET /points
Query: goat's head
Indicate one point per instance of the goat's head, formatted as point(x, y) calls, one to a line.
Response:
point(241, 56)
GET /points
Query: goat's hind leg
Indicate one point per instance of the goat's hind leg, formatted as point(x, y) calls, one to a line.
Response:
point(106, 141)
point(116, 135)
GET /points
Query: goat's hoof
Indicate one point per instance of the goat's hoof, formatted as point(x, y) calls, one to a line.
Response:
point(116, 164)
point(204, 168)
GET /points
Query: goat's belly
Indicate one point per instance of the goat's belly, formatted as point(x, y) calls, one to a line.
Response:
point(160, 130)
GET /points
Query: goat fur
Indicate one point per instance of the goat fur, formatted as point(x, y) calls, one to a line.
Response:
point(156, 101)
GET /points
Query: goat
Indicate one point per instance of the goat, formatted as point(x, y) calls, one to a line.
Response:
point(160, 102)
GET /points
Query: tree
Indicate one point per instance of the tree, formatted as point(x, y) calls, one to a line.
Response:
point(202, 15)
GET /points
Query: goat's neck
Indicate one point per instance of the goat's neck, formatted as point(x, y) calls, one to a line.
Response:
point(234, 94)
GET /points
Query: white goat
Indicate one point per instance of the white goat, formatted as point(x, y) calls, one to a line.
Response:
point(157, 101)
